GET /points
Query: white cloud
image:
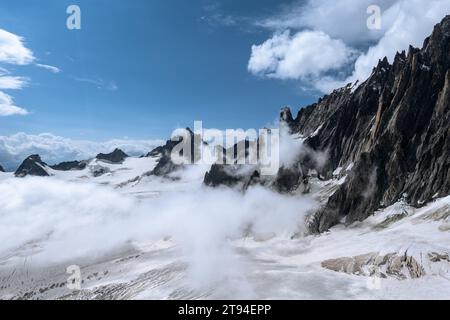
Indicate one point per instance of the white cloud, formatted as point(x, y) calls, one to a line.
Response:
point(403, 23)
point(413, 22)
point(48, 67)
point(54, 149)
point(100, 83)
point(13, 50)
point(338, 19)
point(7, 106)
point(13, 82)
point(68, 220)
point(301, 56)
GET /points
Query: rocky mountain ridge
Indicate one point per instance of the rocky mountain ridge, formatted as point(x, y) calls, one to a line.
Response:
point(393, 130)
point(389, 135)
point(117, 156)
point(32, 166)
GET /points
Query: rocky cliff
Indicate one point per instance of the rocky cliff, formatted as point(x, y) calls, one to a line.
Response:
point(32, 166)
point(392, 130)
point(165, 165)
point(390, 135)
point(117, 156)
point(70, 166)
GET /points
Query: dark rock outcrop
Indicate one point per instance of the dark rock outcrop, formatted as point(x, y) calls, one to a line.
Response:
point(394, 127)
point(117, 156)
point(1, 169)
point(288, 179)
point(159, 151)
point(222, 175)
point(286, 116)
point(165, 165)
point(70, 166)
point(32, 166)
point(98, 171)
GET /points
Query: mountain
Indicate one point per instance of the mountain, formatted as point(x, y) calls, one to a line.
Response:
point(393, 131)
point(375, 152)
point(165, 165)
point(389, 135)
point(32, 166)
point(1, 169)
point(117, 156)
point(70, 165)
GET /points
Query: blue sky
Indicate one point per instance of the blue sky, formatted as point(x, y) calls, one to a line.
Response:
point(140, 68)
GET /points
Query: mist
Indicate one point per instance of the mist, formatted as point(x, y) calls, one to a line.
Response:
point(54, 221)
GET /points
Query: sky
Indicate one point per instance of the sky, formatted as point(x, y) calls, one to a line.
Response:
point(139, 68)
point(136, 70)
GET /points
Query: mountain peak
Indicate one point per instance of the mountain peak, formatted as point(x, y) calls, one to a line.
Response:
point(117, 156)
point(286, 115)
point(392, 131)
point(32, 166)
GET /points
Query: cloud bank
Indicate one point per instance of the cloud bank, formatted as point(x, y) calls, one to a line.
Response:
point(54, 221)
point(14, 52)
point(54, 149)
point(326, 44)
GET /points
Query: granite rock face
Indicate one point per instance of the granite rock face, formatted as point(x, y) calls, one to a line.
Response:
point(394, 128)
point(32, 166)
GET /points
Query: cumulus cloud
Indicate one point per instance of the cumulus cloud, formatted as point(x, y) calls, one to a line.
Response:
point(413, 22)
point(13, 50)
point(54, 149)
point(7, 106)
point(304, 55)
point(343, 25)
point(338, 19)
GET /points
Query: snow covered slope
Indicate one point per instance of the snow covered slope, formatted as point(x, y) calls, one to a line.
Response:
point(136, 236)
